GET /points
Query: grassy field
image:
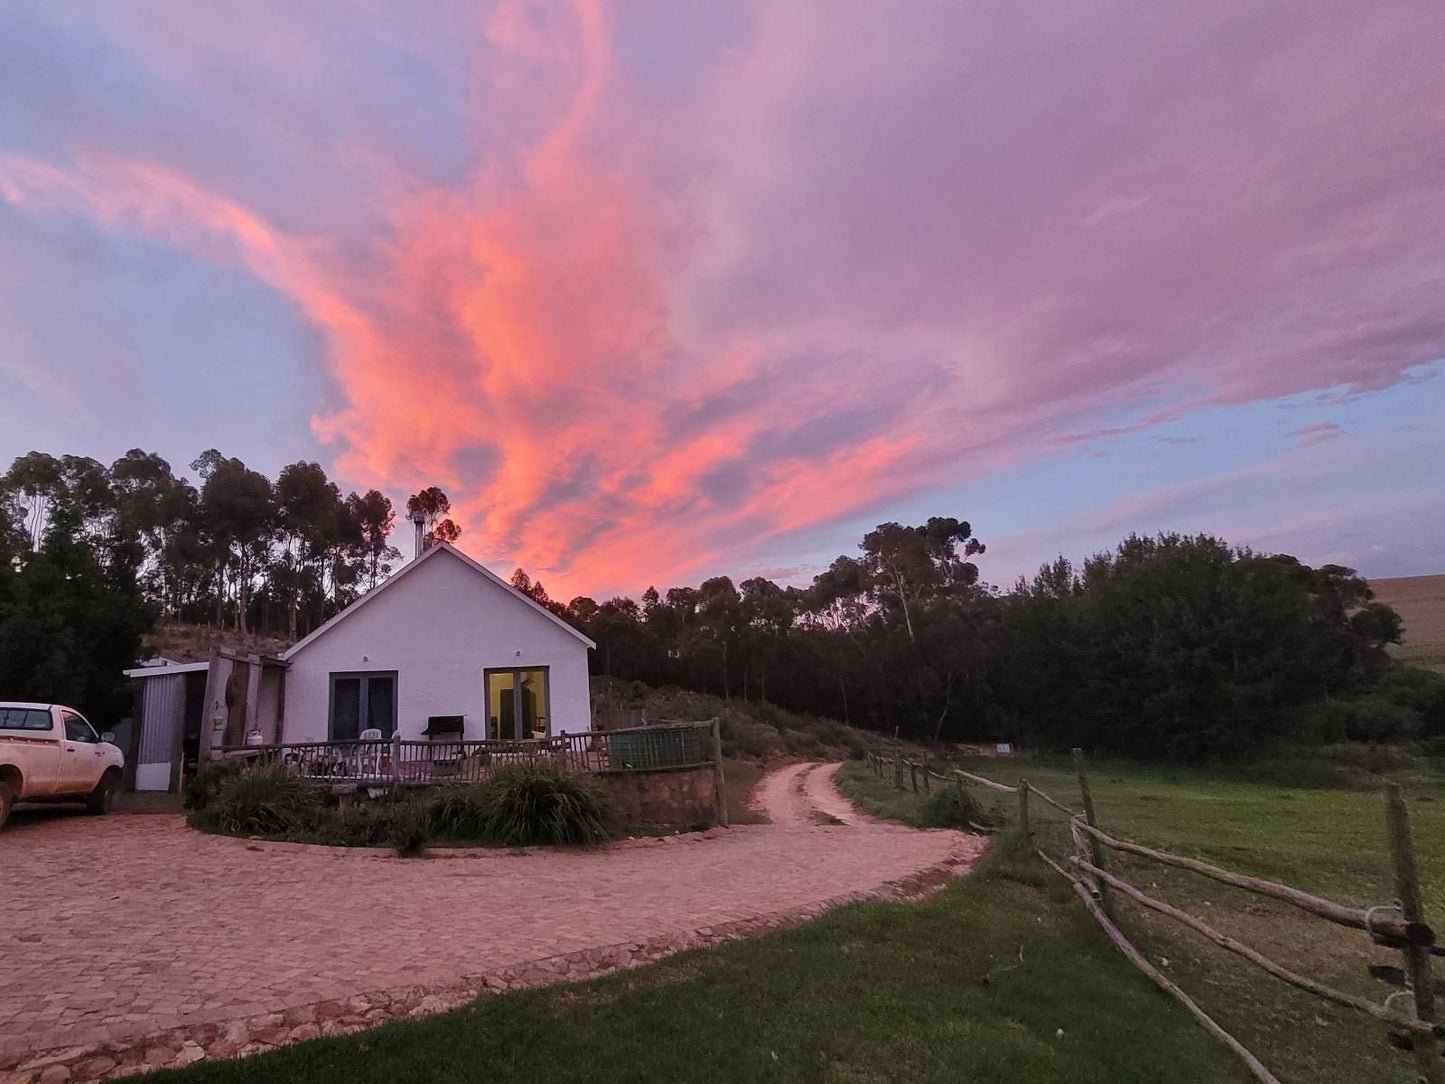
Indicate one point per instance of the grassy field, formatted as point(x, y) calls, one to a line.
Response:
point(1329, 841)
point(1420, 600)
point(1000, 977)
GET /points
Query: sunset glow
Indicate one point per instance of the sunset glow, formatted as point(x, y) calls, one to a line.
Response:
point(657, 291)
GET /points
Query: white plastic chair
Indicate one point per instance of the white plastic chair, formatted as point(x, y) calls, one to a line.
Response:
point(368, 760)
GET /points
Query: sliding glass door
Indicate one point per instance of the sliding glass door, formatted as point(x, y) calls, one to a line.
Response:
point(518, 703)
point(362, 701)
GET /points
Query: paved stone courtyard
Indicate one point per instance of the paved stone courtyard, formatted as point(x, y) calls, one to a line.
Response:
point(121, 927)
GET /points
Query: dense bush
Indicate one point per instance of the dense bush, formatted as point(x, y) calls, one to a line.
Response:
point(265, 801)
point(206, 782)
point(519, 805)
point(459, 814)
point(538, 803)
point(954, 807)
point(407, 829)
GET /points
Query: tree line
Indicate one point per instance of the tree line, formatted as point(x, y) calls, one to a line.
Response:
point(91, 556)
point(235, 549)
point(1173, 646)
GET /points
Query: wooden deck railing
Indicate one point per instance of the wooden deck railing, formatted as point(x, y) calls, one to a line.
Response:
point(394, 761)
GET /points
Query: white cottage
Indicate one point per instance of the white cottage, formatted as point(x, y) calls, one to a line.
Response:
point(444, 648)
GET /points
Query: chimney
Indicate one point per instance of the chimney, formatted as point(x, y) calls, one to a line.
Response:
point(418, 519)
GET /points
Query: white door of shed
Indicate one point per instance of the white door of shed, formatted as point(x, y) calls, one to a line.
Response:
point(162, 713)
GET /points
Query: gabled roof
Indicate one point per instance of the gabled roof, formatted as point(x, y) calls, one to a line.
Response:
point(393, 580)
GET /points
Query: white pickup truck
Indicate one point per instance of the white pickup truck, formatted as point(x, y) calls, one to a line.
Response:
point(49, 753)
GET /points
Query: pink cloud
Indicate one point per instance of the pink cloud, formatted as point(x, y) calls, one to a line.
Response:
point(1317, 433)
point(860, 252)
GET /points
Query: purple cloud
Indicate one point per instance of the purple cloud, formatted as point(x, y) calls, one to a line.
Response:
point(646, 290)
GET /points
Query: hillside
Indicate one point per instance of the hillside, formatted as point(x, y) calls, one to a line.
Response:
point(1420, 600)
point(194, 643)
point(751, 730)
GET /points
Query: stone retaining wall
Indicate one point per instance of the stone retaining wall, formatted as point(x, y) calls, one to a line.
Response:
point(663, 797)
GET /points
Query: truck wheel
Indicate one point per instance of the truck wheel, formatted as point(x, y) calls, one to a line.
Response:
point(99, 800)
point(7, 800)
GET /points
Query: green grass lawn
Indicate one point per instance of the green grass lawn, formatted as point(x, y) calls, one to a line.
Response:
point(1328, 841)
point(1002, 976)
point(999, 977)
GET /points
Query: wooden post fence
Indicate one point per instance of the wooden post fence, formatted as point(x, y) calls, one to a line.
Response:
point(1096, 852)
point(1417, 957)
point(717, 767)
point(1024, 807)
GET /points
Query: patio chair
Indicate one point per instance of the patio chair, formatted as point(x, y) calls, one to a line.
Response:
point(368, 756)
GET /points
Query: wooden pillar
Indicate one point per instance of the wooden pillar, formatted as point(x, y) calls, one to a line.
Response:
point(913, 775)
point(1024, 807)
point(718, 781)
point(927, 783)
point(253, 697)
point(898, 772)
point(1096, 850)
point(1417, 957)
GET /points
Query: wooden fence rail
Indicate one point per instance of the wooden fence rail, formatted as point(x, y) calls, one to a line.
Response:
point(1400, 925)
point(1386, 925)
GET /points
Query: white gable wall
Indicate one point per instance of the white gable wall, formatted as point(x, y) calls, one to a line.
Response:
point(439, 629)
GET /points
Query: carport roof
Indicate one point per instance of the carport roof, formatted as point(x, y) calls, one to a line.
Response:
point(169, 668)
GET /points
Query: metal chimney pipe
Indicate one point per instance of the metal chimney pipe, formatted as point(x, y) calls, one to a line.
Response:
point(418, 519)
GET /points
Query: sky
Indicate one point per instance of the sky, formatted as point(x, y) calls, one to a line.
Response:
point(664, 289)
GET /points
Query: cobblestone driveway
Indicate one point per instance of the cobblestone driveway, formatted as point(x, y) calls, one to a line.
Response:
point(130, 925)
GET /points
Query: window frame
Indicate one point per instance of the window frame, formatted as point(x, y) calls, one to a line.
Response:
point(66, 715)
point(516, 672)
point(363, 700)
point(44, 713)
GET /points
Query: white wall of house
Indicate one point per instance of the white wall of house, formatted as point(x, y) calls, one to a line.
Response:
point(438, 628)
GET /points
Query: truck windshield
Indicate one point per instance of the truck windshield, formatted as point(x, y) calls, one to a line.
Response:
point(24, 719)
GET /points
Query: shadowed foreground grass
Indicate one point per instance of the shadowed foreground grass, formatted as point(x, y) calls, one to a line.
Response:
point(1001, 976)
point(1326, 840)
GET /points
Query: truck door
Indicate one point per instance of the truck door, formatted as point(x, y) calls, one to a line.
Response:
point(82, 760)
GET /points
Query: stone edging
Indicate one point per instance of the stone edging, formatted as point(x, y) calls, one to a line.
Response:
point(191, 1043)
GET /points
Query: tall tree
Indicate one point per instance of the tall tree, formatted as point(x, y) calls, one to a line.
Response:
point(433, 505)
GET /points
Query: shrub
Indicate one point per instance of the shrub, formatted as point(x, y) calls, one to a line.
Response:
point(206, 782)
point(407, 828)
point(458, 813)
point(953, 807)
point(538, 803)
point(265, 801)
point(360, 823)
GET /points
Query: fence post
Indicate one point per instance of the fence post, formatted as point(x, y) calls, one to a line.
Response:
point(898, 772)
point(1417, 957)
point(1096, 851)
point(913, 775)
point(1024, 807)
point(395, 755)
point(717, 768)
point(927, 783)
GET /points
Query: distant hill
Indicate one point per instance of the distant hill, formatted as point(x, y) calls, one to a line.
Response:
point(1420, 600)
